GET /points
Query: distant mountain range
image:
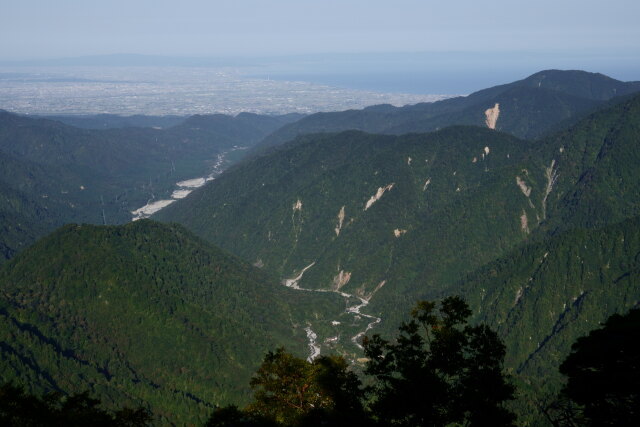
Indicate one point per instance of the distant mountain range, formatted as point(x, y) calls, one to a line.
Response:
point(108, 121)
point(54, 173)
point(527, 108)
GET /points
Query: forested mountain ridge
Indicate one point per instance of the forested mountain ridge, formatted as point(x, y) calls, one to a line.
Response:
point(101, 176)
point(395, 219)
point(581, 267)
point(143, 314)
point(109, 121)
point(118, 149)
point(544, 295)
point(54, 173)
point(526, 108)
point(595, 169)
point(24, 213)
point(374, 214)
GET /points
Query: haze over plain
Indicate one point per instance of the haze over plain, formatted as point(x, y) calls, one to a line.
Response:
point(406, 46)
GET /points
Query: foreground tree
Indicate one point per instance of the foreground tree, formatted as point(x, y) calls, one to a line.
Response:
point(231, 416)
point(439, 371)
point(18, 408)
point(603, 375)
point(290, 391)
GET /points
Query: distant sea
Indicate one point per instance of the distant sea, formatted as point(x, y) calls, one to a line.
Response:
point(437, 73)
point(450, 83)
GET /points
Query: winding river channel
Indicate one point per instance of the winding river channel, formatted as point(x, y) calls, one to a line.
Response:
point(183, 188)
point(354, 309)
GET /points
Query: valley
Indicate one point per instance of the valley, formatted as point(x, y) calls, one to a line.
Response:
point(68, 174)
point(184, 188)
point(353, 306)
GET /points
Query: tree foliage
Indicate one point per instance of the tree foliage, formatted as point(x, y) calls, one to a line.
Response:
point(231, 416)
point(603, 373)
point(439, 370)
point(293, 391)
point(18, 408)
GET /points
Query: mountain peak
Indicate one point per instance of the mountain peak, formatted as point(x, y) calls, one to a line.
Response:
point(580, 83)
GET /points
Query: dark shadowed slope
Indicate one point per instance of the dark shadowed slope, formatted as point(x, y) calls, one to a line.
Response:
point(54, 173)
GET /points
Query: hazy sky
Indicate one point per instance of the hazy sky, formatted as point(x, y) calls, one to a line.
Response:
point(59, 28)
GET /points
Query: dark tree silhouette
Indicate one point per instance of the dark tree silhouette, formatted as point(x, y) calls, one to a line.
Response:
point(231, 416)
point(603, 373)
point(439, 371)
point(18, 408)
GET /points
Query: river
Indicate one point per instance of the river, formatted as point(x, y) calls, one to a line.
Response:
point(314, 347)
point(184, 188)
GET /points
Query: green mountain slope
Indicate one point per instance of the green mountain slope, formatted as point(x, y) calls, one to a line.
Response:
point(143, 314)
point(398, 217)
point(394, 219)
point(544, 296)
point(528, 108)
point(595, 166)
point(581, 265)
point(524, 111)
point(129, 151)
point(28, 203)
point(54, 173)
